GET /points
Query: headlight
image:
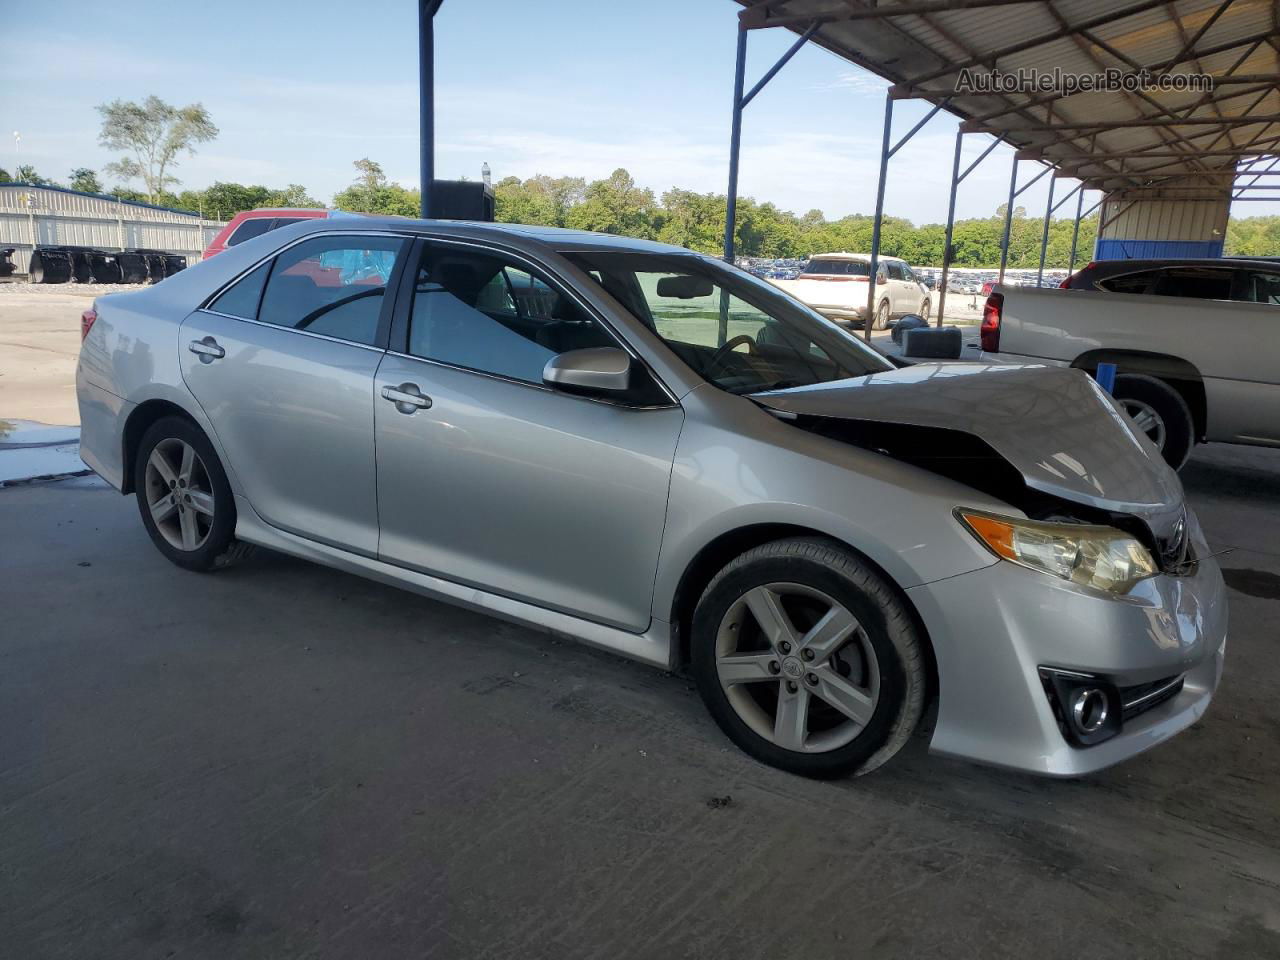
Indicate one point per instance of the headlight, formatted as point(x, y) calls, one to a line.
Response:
point(1100, 557)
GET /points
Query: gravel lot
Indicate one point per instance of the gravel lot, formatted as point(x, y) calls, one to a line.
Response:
point(286, 761)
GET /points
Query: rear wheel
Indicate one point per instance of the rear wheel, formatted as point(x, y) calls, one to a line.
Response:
point(184, 497)
point(808, 660)
point(882, 316)
point(1160, 413)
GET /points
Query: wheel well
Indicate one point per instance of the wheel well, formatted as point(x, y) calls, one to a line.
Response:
point(712, 558)
point(1180, 374)
point(143, 417)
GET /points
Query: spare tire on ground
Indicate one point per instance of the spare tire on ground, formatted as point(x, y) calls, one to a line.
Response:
point(173, 263)
point(910, 322)
point(7, 266)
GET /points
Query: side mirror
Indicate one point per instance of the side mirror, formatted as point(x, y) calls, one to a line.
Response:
point(881, 279)
point(590, 370)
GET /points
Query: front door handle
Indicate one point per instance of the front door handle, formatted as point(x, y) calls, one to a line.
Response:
point(207, 350)
point(407, 398)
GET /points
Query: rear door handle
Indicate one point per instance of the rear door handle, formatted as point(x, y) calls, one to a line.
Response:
point(407, 398)
point(207, 350)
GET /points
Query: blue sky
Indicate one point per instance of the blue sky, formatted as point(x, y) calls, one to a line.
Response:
point(299, 91)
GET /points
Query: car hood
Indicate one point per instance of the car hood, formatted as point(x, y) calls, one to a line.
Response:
point(1054, 425)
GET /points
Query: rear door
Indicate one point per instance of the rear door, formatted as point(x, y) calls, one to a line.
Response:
point(283, 363)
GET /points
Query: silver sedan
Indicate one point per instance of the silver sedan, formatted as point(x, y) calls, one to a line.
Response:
point(658, 454)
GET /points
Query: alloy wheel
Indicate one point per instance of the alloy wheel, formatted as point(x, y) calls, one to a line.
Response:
point(1146, 419)
point(797, 667)
point(179, 494)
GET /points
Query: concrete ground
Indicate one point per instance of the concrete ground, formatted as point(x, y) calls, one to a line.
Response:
point(39, 345)
point(285, 761)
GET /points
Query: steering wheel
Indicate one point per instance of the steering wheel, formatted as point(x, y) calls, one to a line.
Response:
point(717, 358)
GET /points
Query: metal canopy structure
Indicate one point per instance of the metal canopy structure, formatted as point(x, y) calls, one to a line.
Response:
point(1179, 141)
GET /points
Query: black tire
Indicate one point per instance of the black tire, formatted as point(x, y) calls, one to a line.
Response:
point(220, 548)
point(882, 316)
point(835, 571)
point(1179, 429)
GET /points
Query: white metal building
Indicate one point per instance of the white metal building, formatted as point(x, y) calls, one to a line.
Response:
point(32, 216)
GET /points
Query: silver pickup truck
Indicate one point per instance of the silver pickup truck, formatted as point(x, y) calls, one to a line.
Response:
point(1189, 370)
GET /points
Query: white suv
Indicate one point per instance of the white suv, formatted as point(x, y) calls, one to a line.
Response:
point(832, 284)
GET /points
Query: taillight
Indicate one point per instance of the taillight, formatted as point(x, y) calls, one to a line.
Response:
point(989, 332)
point(87, 320)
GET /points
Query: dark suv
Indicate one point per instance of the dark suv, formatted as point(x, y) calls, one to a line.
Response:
point(1249, 280)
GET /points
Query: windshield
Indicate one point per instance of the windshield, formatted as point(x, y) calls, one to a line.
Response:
point(742, 334)
point(842, 268)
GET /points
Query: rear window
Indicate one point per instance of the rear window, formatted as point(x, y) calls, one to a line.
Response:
point(850, 268)
point(1200, 283)
point(248, 229)
point(1130, 282)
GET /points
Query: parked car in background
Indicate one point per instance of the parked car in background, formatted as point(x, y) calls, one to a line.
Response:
point(658, 454)
point(1245, 280)
point(254, 223)
point(833, 284)
point(1194, 345)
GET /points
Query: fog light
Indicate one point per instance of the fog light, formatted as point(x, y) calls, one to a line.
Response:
point(1089, 709)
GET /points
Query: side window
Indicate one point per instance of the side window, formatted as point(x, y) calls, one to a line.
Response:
point(333, 285)
point(248, 229)
point(1200, 283)
point(279, 222)
point(242, 297)
point(480, 311)
point(1264, 287)
point(1130, 282)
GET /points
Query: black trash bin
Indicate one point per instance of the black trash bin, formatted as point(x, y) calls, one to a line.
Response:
point(133, 267)
point(173, 263)
point(7, 266)
point(49, 265)
point(104, 267)
point(155, 266)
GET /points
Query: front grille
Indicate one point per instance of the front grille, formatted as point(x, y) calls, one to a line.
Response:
point(1142, 697)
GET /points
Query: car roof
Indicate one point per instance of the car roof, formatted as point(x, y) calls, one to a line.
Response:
point(558, 238)
point(1134, 266)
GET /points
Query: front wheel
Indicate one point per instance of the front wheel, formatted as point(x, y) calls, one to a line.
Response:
point(184, 497)
point(924, 308)
point(1158, 411)
point(808, 660)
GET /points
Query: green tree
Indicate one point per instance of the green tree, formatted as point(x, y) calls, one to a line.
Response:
point(616, 205)
point(155, 133)
point(85, 180)
point(26, 173)
point(373, 193)
point(4, 176)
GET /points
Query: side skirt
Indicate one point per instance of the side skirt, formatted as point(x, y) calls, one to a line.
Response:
point(651, 647)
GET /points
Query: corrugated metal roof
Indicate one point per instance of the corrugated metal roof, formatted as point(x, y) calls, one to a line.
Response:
point(921, 46)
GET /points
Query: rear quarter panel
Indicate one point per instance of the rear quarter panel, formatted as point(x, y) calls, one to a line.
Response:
point(1233, 345)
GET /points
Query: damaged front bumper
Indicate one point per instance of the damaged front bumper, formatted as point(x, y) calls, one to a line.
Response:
point(1000, 631)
